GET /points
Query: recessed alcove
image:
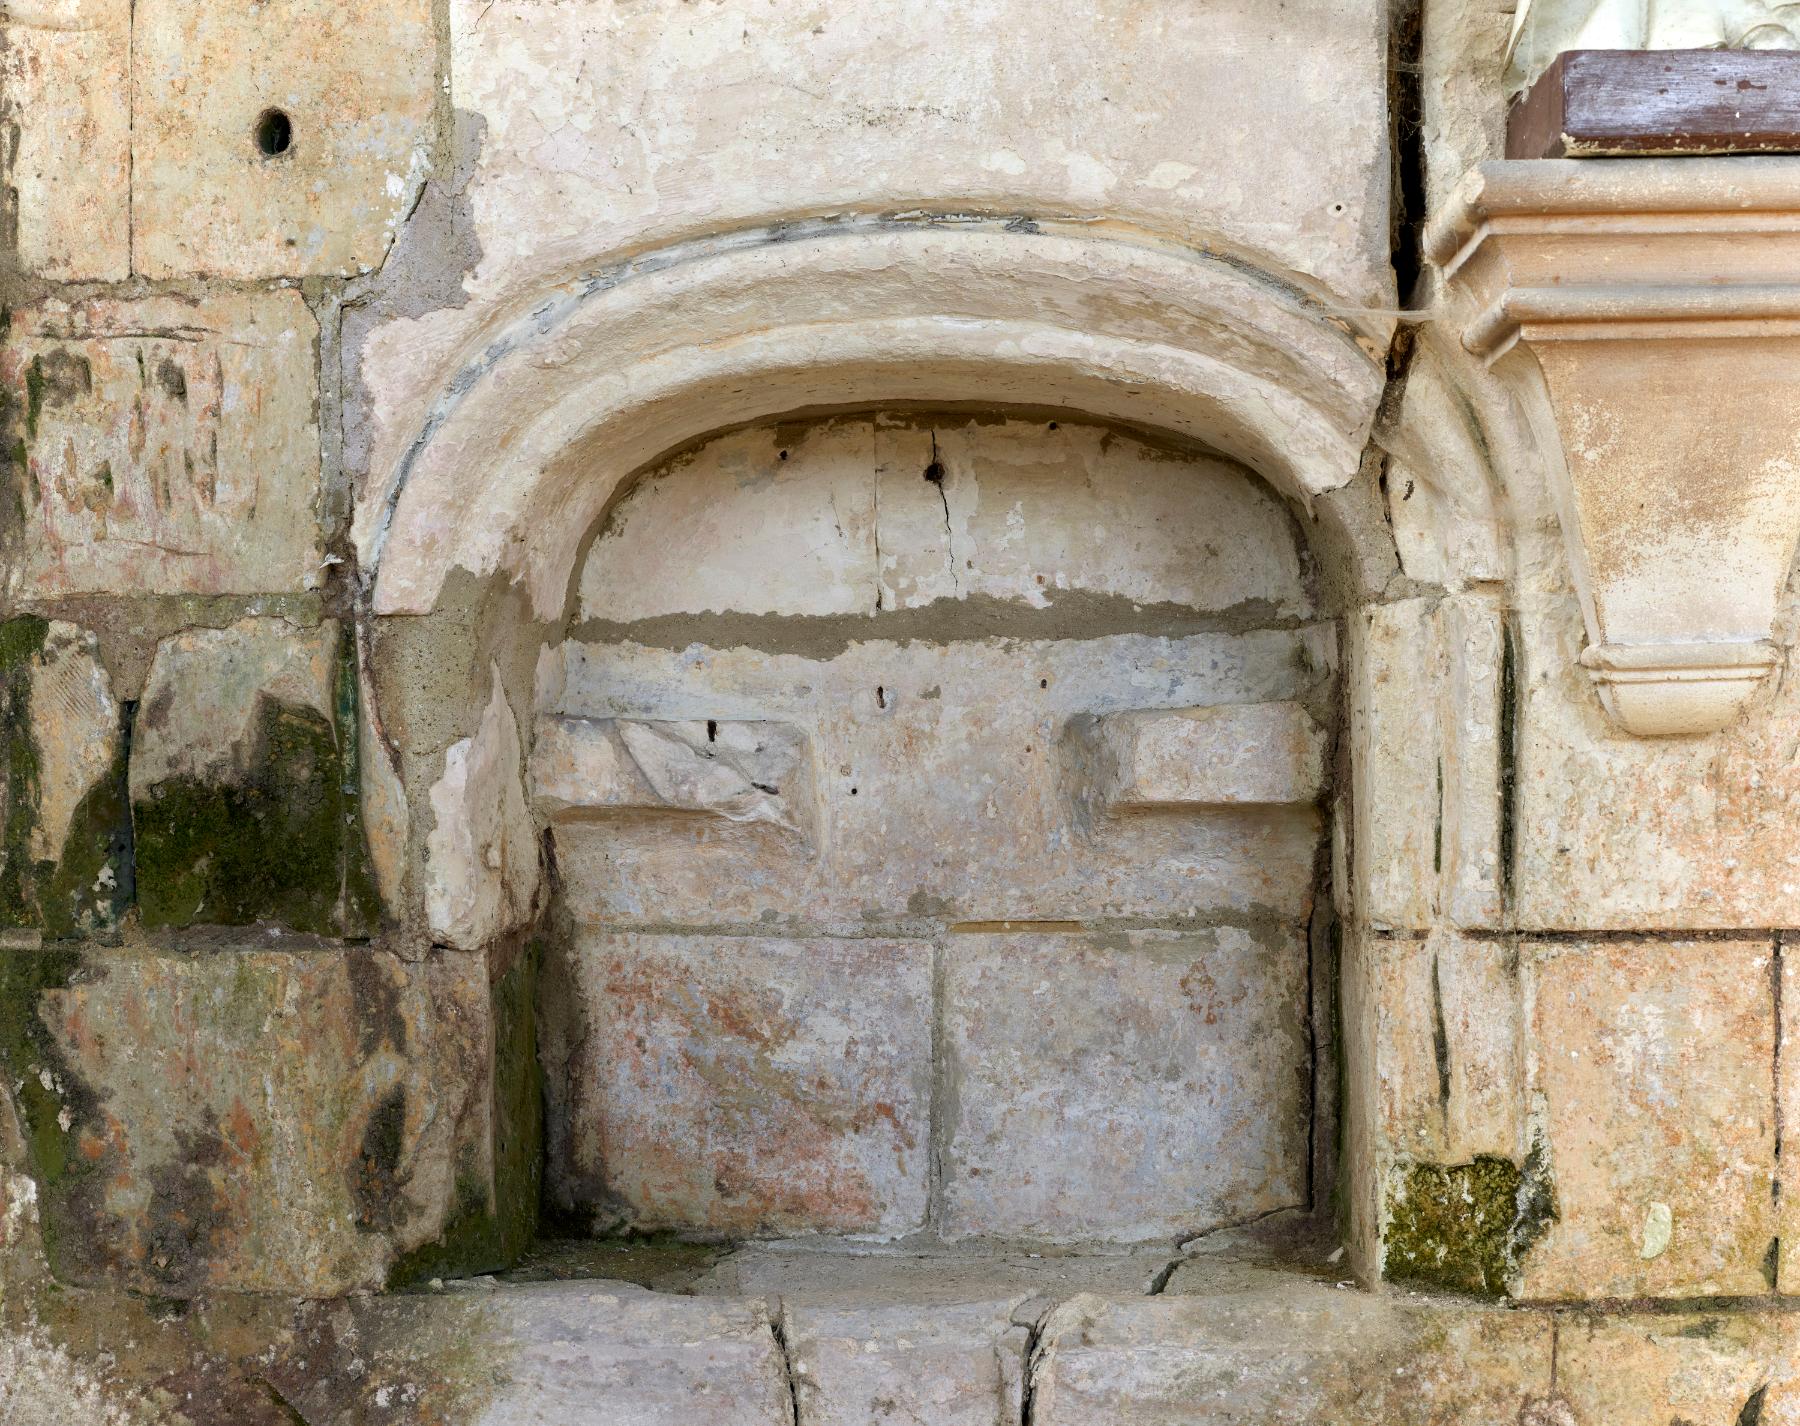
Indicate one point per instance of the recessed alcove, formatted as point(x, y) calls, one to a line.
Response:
point(935, 802)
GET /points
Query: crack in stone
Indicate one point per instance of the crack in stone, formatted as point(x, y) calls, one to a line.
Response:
point(778, 1330)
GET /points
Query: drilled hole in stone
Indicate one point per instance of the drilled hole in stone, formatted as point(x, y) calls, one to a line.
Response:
point(274, 133)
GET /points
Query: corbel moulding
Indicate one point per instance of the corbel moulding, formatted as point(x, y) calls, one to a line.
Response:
point(1659, 299)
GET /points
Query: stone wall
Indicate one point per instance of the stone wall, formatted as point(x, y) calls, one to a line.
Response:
point(940, 631)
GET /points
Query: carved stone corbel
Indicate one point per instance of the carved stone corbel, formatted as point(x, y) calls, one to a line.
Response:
point(1660, 298)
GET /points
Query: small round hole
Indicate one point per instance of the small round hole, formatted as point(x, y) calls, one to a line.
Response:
point(274, 132)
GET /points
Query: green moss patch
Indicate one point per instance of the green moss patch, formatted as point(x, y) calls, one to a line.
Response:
point(284, 844)
point(1454, 1226)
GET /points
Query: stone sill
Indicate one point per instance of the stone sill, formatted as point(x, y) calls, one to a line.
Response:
point(778, 1335)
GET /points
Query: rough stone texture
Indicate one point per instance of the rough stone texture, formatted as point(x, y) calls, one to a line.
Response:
point(242, 780)
point(1278, 1349)
point(65, 865)
point(893, 512)
point(1447, 1019)
point(745, 1084)
point(1141, 1085)
point(169, 444)
point(1648, 1069)
point(1245, 754)
point(1426, 725)
point(738, 771)
point(482, 863)
point(1716, 1369)
point(951, 1366)
point(67, 160)
point(295, 1124)
point(1691, 832)
point(836, 1275)
point(635, 135)
point(357, 90)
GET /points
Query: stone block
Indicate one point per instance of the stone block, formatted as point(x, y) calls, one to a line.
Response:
point(1787, 1099)
point(1448, 1061)
point(1395, 756)
point(65, 864)
point(356, 89)
point(942, 782)
point(1648, 1068)
point(950, 1366)
point(1426, 718)
point(65, 105)
point(1286, 1350)
point(739, 771)
point(483, 867)
point(267, 1118)
point(1713, 1369)
point(836, 1274)
point(165, 445)
point(562, 1354)
point(745, 1085)
point(1692, 833)
point(1145, 1084)
point(243, 782)
point(1242, 754)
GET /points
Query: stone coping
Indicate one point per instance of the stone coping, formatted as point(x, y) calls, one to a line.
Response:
point(1224, 1333)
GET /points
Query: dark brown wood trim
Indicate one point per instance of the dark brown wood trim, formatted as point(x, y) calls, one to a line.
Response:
point(1618, 103)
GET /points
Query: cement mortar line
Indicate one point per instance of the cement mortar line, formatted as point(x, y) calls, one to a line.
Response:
point(1564, 935)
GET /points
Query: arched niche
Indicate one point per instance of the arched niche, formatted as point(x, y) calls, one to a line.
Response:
point(525, 445)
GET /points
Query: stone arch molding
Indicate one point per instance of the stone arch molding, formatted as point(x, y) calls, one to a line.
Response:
point(522, 449)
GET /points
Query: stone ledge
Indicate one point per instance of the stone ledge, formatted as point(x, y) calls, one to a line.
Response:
point(1232, 1337)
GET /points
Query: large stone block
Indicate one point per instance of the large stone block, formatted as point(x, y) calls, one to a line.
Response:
point(482, 864)
point(950, 1366)
point(243, 781)
point(1690, 832)
point(1284, 1350)
point(267, 1118)
point(164, 444)
point(1426, 696)
point(1716, 1369)
point(943, 781)
point(1146, 1084)
point(65, 864)
point(1648, 1066)
point(65, 169)
point(744, 1084)
point(216, 190)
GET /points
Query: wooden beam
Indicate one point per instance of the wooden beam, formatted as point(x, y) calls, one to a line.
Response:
point(1618, 103)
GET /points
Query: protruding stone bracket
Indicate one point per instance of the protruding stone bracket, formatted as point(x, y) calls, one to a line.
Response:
point(1660, 300)
point(1229, 755)
point(752, 772)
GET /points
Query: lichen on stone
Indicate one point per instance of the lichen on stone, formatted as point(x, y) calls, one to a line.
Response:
point(1453, 1226)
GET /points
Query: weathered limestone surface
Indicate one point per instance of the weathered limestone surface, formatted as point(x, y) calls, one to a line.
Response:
point(482, 863)
point(1286, 1351)
point(951, 1366)
point(1648, 1069)
point(294, 1122)
point(633, 135)
point(67, 161)
point(65, 864)
point(1428, 681)
point(169, 444)
point(242, 781)
point(357, 92)
point(1180, 1053)
point(745, 1084)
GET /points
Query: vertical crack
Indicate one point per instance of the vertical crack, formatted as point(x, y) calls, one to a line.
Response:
point(778, 1330)
point(1780, 1127)
point(1034, 1355)
point(935, 473)
point(131, 139)
point(1159, 1280)
point(875, 452)
point(1440, 1036)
